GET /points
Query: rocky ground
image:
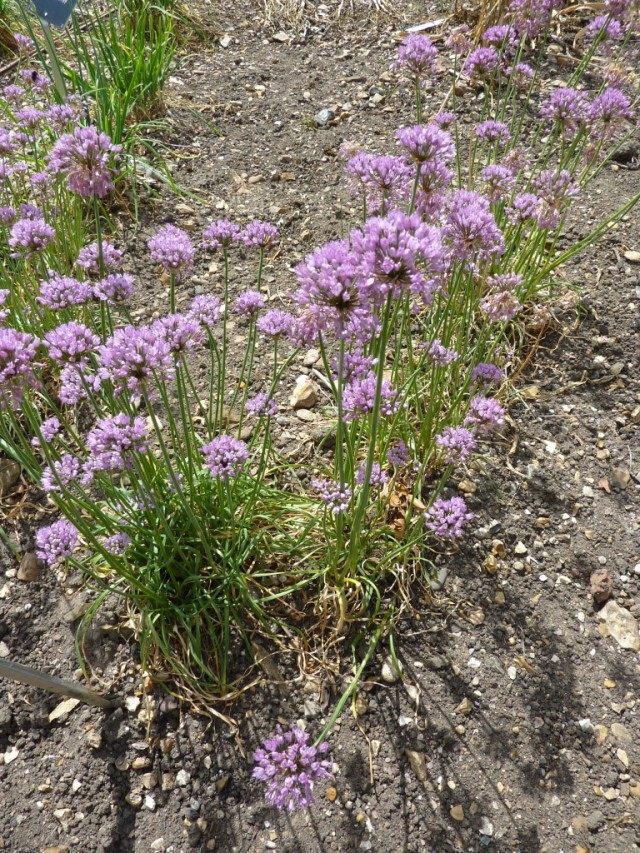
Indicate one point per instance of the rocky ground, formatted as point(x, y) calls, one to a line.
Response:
point(515, 725)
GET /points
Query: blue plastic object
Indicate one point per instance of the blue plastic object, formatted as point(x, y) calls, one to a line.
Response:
point(55, 12)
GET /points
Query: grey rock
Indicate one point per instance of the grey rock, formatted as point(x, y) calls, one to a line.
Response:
point(323, 117)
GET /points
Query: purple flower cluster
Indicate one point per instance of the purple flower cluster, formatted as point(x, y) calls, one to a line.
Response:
point(335, 496)
point(133, 357)
point(471, 229)
point(426, 142)
point(481, 63)
point(359, 397)
point(61, 474)
point(4, 312)
point(89, 258)
point(259, 235)
point(441, 355)
point(398, 454)
point(225, 456)
point(85, 158)
point(172, 248)
point(416, 55)
point(377, 477)
point(114, 288)
point(448, 517)
point(248, 303)
point(181, 332)
point(17, 355)
point(484, 414)
point(220, 234)
point(493, 131)
point(385, 180)
point(275, 323)
point(62, 291)
point(56, 542)
point(29, 236)
point(117, 544)
point(114, 441)
point(205, 310)
point(458, 444)
point(49, 428)
point(262, 405)
point(568, 108)
point(290, 767)
point(502, 37)
point(71, 342)
point(501, 306)
point(487, 374)
point(604, 28)
point(500, 181)
point(531, 16)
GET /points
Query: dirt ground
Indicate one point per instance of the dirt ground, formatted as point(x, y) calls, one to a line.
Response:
point(516, 726)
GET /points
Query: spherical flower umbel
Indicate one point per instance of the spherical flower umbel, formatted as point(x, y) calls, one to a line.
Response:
point(484, 414)
point(4, 312)
point(385, 180)
point(60, 292)
point(275, 323)
point(49, 428)
point(134, 357)
point(259, 235)
point(182, 332)
point(417, 55)
point(225, 456)
point(359, 397)
point(471, 229)
point(447, 517)
point(493, 131)
point(262, 405)
point(500, 181)
point(89, 258)
point(114, 288)
point(205, 310)
point(423, 142)
point(85, 158)
point(335, 496)
point(458, 443)
point(481, 62)
point(500, 307)
point(171, 247)
point(568, 107)
point(398, 454)
point(221, 234)
point(56, 542)
point(486, 373)
point(290, 766)
point(71, 342)
point(609, 108)
point(377, 477)
point(29, 236)
point(61, 474)
point(114, 441)
point(117, 544)
point(249, 303)
point(441, 355)
point(17, 355)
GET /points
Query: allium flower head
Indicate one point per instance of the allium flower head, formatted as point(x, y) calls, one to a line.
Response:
point(17, 355)
point(481, 62)
point(29, 117)
point(610, 107)
point(60, 116)
point(132, 357)
point(71, 342)
point(117, 544)
point(525, 207)
point(49, 428)
point(458, 444)
point(398, 454)
point(89, 258)
point(425, 142)
point(377, 477)
point(8, 215)
point(171, 247)
point(500, 181)
point(205, 310)
point(484, 414)
point(114, 288)
point(4, 312)
point(493, 131)
point(444, 119)
point(13, 93)
point(249, 303)
point(259, 235)
point(221, 234)
point(56, 542)
point(61, 474)
point(447, 517)
point(225, 456)
point(568, 107)
point(471, 229)
point(531, 16)
point(29, 236)
point(384, 180)
point(35, 79)
point(335, 496)
point(23, 43)
point(85, 157)
point(487, 374)
point(290, 766)
point(605, 28)
point(441, 355)
point(502, 37)
point(275, 323)
point(75, 379)
point(262, 405)
point(182, 332)
point(114, 441)
point(62, 291)
point(416, 55)
point(359, 397)
point(501, 306)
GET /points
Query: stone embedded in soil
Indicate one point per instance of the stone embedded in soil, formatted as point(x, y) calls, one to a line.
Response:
point(620, 733)
point(595, 820)
point(182, 778)
point(391, 670)
point(29, 569)
point(9, 475)
point(622, 625)
point(323, 117)
point(304, 394)
point(457, 812)
point(601, 586)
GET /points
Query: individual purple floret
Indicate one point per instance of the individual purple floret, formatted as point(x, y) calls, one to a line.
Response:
point(336, 497)
point(259, 235)
point(424, 142)
point(249, 303)
point(62, 291)
point(290, 767)
point(49, 428)
point(441, 355)
point(481, 62)
point(117, 544)
point(205, 310)
point(114, 441)
point(71, 342)
point(262, 405)
point(385, 180)
point(500, 181)
point(471, 229)
point(568, 107)
point(398, 454)
point(417, 55)
point(56, 542)
point(17, 355)
point(172, 248)
point(448, 517)
point(221, 234)
point(275, 323)
point(484, 414)
point(500, 307)
point(182, 332)
point(493, 131)
point(85, 158)
point(89, 258)
point(225, 456)
point(133, 357)
point(359, 396)
point(63, 472)
point(115, 288)
point(458, 444)
point(331, 293)
point(377, 477)
point(29, 236)
point(487, 374)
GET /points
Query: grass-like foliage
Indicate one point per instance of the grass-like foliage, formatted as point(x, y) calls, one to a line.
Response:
point(155, 443)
